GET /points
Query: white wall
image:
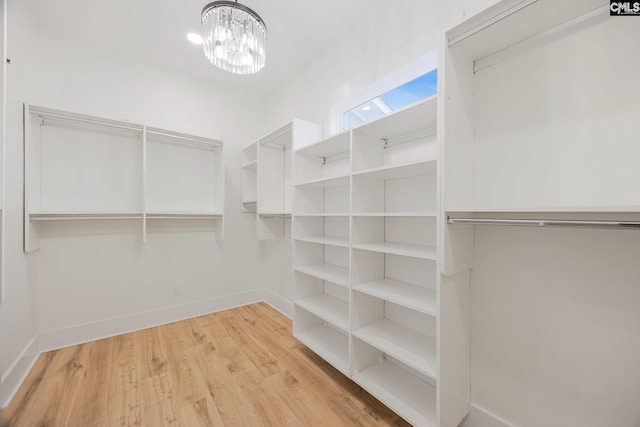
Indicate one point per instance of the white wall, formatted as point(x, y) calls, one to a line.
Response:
point(17, 314)
point(554, 326)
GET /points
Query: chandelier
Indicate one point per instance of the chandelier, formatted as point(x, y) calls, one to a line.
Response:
point(234, 37)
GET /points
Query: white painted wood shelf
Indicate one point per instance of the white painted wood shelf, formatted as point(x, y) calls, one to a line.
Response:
point(71, 216)
point(416, 350)
point(330, 309)
point(328, 182)
point(327, 343)
point(407, 395)
point(414, 297)
point(395, 171)
point(326, 240)
point(329, 272)
point(319, 214)
point(396, 214)
point(251, 165)
point(414, 251)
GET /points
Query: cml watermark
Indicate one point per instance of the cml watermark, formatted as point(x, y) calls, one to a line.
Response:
point(624, 8)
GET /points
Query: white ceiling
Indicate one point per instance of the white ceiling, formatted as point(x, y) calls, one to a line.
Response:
point(155, 31)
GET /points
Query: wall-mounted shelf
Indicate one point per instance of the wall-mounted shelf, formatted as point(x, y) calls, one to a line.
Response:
point(329, 309)
point(81, 167)
point(329, 272)
point(416, 350)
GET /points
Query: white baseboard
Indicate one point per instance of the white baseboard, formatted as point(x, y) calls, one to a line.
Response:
point(16, 374)
point(276, 301)
point(60, 338)
point(480, 417)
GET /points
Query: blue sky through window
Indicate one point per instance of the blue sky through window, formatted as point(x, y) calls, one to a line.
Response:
point(395, 99)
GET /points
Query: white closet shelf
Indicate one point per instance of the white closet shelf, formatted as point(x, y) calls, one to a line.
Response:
point(427, 167)
point(406, 394)
point(328, 147)
point(548, 209)
point(404, 294)
point(328, 182)
point(251, 165)
point(339, 214)
point(396, 214)
point(414, 251)
point(184, 215)
point(329, 344)
point(330, 309)
point(414, 118)
point(329, 272)
point(326, 240)
point(412, 348)
point(66, 216)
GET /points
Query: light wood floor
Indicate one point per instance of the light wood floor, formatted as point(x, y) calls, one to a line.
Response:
point(238, 367)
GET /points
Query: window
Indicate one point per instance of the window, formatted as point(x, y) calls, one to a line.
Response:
point(392, 100)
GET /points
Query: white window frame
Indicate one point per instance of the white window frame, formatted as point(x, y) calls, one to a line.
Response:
point(413, 70)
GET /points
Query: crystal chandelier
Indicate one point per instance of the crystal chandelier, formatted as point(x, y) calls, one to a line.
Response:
point(234, 37)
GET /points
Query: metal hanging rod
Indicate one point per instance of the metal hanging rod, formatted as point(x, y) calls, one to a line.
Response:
point(275, 216)
point(184, 138)
point(545, 222)
point(42, 115)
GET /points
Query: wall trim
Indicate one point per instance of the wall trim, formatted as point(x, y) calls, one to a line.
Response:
point(65, 337)
point(480, 417)
point(17, 373)
point(283, 305)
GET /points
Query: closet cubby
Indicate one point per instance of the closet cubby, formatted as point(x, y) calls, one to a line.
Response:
point(266, 176)
point(324, 161)
point(249, 178)
point(404, 334)
point(395, 384)
point(326, 262)
point(404, 138)
point(326, 341)
point(80, 167)
point(404, 190)
point(325, 299)
point(406, 236)
point(328, 230)
point(328, 197)
point(406, 281)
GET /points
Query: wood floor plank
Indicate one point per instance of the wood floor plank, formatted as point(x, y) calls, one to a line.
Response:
point(239, 367)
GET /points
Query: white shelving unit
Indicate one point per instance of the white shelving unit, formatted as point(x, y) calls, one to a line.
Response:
point(266, 176)
point(365, 224)
point(121, 171)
